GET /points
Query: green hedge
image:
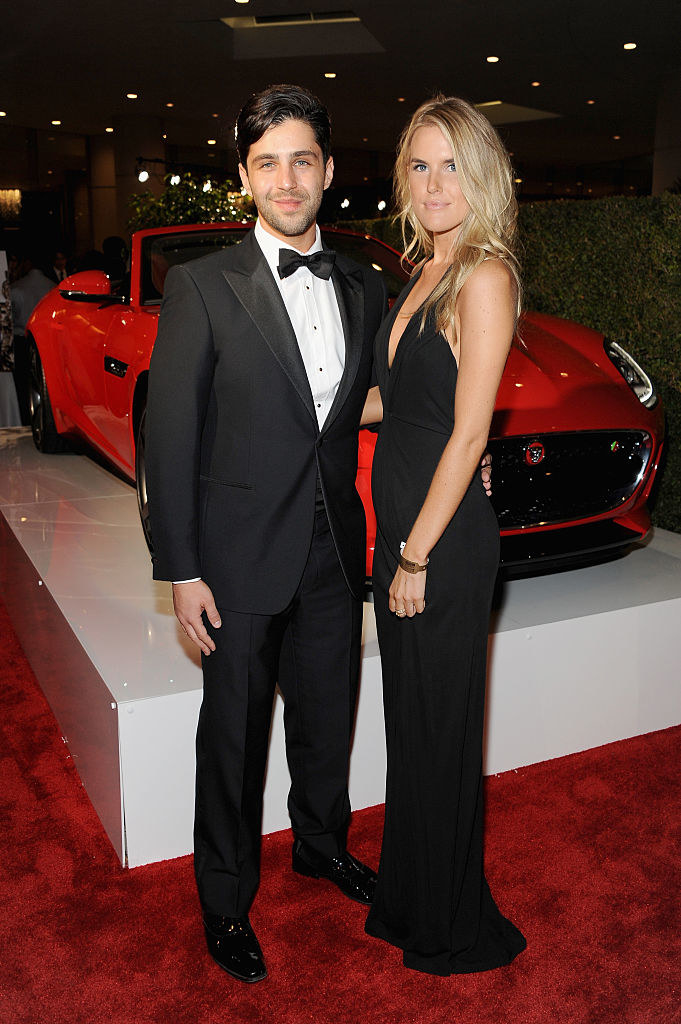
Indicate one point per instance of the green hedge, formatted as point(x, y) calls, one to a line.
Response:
point(613, 264)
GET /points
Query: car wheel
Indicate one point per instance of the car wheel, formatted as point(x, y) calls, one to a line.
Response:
point(45, 434)
point(141, 479)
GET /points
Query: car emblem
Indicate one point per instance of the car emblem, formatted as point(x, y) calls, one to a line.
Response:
point(534, 453)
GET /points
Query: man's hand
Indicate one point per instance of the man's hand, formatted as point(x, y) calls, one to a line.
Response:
point(486, 471)
point(189, 601)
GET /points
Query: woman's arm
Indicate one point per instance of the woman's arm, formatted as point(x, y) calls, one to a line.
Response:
point(373, 408)
point(486, 306)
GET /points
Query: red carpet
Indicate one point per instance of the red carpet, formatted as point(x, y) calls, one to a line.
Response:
point(583, 853)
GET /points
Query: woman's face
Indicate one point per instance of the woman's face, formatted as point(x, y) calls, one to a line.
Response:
point(436, 195)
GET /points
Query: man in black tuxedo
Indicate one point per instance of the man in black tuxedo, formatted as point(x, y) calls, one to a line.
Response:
point(258, 379)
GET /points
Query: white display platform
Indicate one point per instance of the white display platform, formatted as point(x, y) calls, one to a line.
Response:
point(577, 659)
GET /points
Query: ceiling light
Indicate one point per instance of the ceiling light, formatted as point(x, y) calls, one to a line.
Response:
point(50, 172)
point(3, 113)
point(400, 99)
point(345, 204)
point(143, 175)
point(518, 181)
point(381, 204)
point(214, 115)
point(170, 104)
point(131, 95)
point(164, 136)
point(240, 1)
point(591, 102)
point(108, 130)
point(55, 123)
point(492, 60)
point(535, 84)
point(617, 137)
point(365, 140)
point(630, 46)
point(211, 142)
point(329, 74)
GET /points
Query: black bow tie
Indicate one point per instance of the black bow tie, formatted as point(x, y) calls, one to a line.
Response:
point(318, 263)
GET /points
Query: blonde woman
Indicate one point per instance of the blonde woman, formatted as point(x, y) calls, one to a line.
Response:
point(439, 358)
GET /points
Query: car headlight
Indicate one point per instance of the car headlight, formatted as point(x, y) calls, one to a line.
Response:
point(637, 379)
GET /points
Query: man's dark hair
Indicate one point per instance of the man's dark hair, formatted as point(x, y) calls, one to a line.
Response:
point(275, 105)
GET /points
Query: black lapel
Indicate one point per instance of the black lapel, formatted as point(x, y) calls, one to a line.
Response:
point(349, 288)
point(251, 280)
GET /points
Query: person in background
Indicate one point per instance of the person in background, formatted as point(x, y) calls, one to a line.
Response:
point(30, 286)
point(9, 407)
point(58, 270)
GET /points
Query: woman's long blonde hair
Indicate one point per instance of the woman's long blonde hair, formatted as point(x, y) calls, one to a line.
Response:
point(486, 178)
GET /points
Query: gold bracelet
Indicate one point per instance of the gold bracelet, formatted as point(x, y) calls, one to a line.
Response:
point(412, 567)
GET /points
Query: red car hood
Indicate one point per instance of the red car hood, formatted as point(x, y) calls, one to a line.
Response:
point(558, 377)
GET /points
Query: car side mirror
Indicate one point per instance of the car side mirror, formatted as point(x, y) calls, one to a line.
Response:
point(88, 286)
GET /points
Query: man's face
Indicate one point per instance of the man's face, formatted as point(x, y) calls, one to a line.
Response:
point(286, 176)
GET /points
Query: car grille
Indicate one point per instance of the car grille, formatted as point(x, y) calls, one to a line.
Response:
point(540, 479)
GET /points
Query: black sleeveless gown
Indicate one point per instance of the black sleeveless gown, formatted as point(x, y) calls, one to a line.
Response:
point(432, 899)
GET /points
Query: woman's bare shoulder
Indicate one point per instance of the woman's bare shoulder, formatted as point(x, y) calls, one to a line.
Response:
point(492, 275)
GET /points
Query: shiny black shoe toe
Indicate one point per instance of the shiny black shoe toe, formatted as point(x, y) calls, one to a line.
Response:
point(234, 947)
point(354, 879)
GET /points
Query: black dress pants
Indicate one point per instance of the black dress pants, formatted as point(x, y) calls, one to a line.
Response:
point(312, 649)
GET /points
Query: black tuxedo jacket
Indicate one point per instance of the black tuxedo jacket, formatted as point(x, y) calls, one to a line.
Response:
point(233, 447)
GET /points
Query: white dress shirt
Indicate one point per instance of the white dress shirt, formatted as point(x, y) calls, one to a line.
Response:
point(313, 311)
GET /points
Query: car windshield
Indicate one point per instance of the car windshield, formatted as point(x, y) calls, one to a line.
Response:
point(371, 253)
point(161, 252)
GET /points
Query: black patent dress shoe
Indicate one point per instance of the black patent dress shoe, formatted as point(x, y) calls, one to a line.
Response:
point(353, 878)
point(234, 947)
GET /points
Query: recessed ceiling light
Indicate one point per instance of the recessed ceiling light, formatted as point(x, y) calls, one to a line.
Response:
point(365, 139)
point(329, 74)
point(215, 115)
point(492, 60)
point(49, 172)
point(164, 136)
point(108, 130)
point(240, 1)
point(617, 137)
point(400, 99)
point(170, 104)
point(3, 113)
point(535, 84)
point(211, 142)
point(591, 102)
point(518, 181)
point(55, 123)
point(630, 46)
point(131, 95)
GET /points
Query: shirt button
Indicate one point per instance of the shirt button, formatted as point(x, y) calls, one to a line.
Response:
point(319, 405)
point(314, 328)
point(321, 369)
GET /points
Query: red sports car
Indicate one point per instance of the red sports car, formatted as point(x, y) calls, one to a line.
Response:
point(576, 436)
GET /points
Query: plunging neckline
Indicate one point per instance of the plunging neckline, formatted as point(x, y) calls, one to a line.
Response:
point(390, 363)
